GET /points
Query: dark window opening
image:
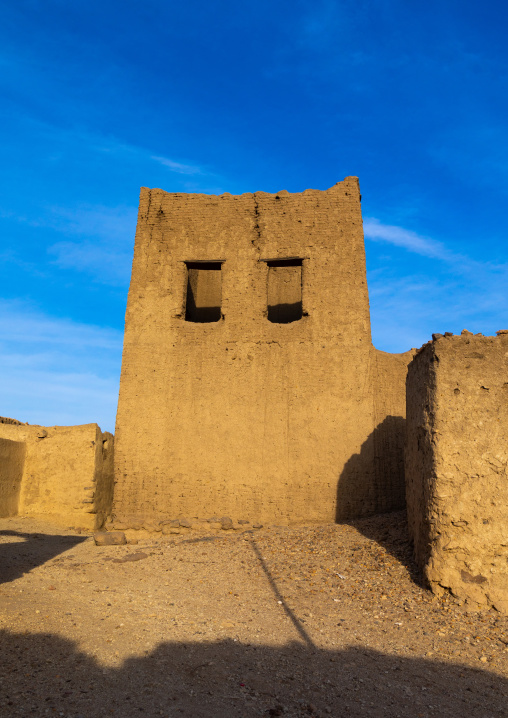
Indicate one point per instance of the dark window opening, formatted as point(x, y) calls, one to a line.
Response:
point(284, 290)
point(204, 292)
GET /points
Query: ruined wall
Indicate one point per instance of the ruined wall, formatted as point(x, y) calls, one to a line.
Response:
point(67, 473)
point(456, 465)
point(12, 460)
point(247, 382)
point(103, 476)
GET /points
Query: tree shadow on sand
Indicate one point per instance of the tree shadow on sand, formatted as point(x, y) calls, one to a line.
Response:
point(48, 675)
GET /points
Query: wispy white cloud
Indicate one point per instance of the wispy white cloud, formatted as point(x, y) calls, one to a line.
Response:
point(113, 145)
point(57, 371)
point(177, 167)
point(20, 323)
point(98, 239)
point(405, 312)
point(105, 250)
point(52, 398)
point(105, 264)
point(92, 147)
point(115, 225)
point(405, 238)
point(461, 293)
point(411, 241)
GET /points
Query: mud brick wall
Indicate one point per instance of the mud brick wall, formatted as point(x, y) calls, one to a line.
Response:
point(456, 466)
point(389, 432)
point(12, 461)
point(247, 385)
point(66, 473)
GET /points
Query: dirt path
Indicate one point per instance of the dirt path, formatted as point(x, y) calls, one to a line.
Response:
point(307, 621)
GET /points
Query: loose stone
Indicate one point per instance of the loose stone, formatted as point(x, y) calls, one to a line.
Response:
point(109, 538)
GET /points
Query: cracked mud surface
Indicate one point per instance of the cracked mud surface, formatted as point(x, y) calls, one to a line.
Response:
point(304, 621)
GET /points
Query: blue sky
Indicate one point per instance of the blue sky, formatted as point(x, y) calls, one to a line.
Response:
point(100, 98)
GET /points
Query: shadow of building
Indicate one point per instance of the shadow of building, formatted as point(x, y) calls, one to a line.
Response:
point(49, 675)
point(372, 480)
point(31, 550)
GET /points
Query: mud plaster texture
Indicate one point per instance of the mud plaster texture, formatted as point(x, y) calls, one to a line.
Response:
point(62, 474)
point(456, 466)
point(249, 386)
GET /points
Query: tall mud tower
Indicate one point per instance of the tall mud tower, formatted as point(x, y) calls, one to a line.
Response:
point(248, 374)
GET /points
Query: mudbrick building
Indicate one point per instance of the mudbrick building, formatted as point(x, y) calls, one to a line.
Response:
point(250, 390)
point(250, 387)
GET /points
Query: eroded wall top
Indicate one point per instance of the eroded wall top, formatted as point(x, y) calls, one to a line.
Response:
point(241, 234)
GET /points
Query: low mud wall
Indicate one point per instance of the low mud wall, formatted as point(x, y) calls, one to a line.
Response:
point(12, 462)
point(61, 474)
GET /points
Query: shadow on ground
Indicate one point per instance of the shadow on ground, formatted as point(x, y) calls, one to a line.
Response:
point(31, 550)
point(372, 488)
point(48, 675)
point(390, 531)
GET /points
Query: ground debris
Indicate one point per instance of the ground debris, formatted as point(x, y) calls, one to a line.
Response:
point(240, 624)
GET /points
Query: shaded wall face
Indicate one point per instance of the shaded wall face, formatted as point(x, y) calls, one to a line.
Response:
point(389, 432)
point(204, 292)
point(104, 477)
point(284, 292)
point(254, 414)
point(456, 466)
point(419, 459)
point(372, 480)
point(12, 461)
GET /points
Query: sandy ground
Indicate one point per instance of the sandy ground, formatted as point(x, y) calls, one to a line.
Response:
point(307, 621)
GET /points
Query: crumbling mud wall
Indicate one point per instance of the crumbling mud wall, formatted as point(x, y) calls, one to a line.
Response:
point(62, 474)
point(12, 461)
point(248, 375)
point(456, 465)
point(12, 464)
